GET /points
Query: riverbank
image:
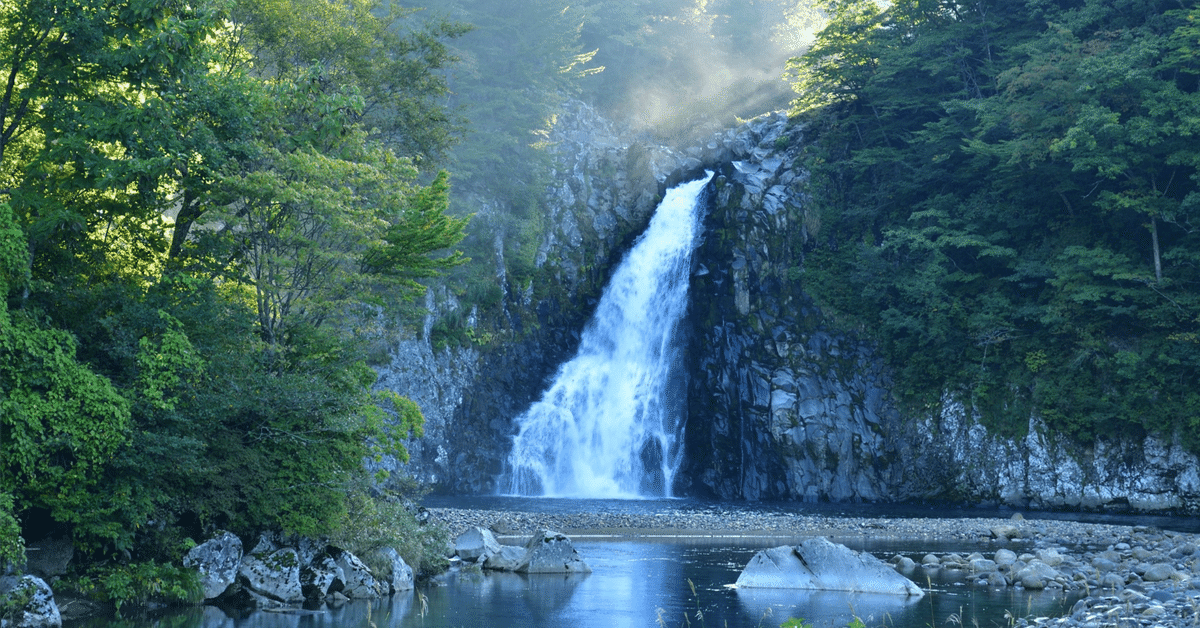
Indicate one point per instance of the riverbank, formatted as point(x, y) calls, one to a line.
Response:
point(1125, 575)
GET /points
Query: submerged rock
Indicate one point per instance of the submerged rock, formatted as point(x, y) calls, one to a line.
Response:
point(819, 564)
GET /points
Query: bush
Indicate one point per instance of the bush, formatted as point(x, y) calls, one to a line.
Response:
point(372, 524)
point(140, 584)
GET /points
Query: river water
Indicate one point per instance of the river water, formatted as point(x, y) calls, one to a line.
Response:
point(683, 581)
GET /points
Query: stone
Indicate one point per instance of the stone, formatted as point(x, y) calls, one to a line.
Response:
point(551, 552)
point(321, 577)
point(982, 565)
point(1159, 572)
point(38, 609)
point(357, 579)
point(819, 564)
point(1050, 557)
point(507, 559)
point(218, 561)
point(396, 573)
point(1006, 531)
point(1113, 581)
point(275, 576)
point(1036, 575)
point(1005, 557)
point(475, 544)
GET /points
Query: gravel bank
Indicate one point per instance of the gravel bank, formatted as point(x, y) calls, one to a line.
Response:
point(1130, 577)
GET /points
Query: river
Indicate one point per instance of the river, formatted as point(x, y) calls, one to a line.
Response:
point(666, 580)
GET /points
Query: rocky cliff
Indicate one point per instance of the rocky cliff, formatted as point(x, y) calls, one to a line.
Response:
point(781, 404)
point(605, 186)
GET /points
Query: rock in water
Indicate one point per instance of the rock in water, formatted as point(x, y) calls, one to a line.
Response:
point(395, 572)
point(275, 576)
point(551, 552)
point(507, 559)
point(475, 544)
point(31, 600)
point(820, 564)
point(218, 560)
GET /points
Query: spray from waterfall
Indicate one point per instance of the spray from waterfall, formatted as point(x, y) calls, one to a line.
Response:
point(610, 425)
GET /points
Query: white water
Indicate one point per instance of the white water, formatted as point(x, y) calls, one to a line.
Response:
point(609, 425)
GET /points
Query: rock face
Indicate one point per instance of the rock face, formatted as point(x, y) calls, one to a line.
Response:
point(821, 565)
point(38, 608)
point(782, 404)
point(603, 189)
point(217, 560)
point(781, 407)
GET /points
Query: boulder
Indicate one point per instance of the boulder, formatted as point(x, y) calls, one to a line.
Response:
point(358, 580)
point(1006, 531)
point(507, 559)
point(1036, 575)
point(551, 552)
point(275, 576)
point(1159, 572)
point(819, 564)
point(395, 573)
point(321, 577)
point(475, 544)
point(34, 600)
point(218, 560)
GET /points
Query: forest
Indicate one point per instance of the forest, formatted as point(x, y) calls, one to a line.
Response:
point(1005, 198)
point(212, 212)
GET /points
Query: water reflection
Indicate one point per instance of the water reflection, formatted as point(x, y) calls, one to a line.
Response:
point(632, 582)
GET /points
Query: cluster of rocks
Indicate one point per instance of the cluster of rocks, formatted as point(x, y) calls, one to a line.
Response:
point(1098, 562)
point(545, 552)
point(1137, 576)
point(281, 571)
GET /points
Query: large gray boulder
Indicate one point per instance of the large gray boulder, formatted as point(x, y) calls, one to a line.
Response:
point(36, 607)
point(507, 559)
point(357, 578)
point(819, 564)
point(551, 552)
point(321, 577)
point(395, 572)
point(275, 576)
point(218, 561)
point(475, 544)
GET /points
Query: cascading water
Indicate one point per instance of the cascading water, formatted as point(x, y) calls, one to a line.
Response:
point(609, 424)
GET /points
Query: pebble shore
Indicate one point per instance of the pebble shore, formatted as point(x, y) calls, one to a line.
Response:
point(1129, 577)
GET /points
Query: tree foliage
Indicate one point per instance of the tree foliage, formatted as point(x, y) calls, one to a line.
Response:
point(1008, 198)
point(191, 196)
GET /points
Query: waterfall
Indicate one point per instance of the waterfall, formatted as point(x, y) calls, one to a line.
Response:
point(609, 425)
